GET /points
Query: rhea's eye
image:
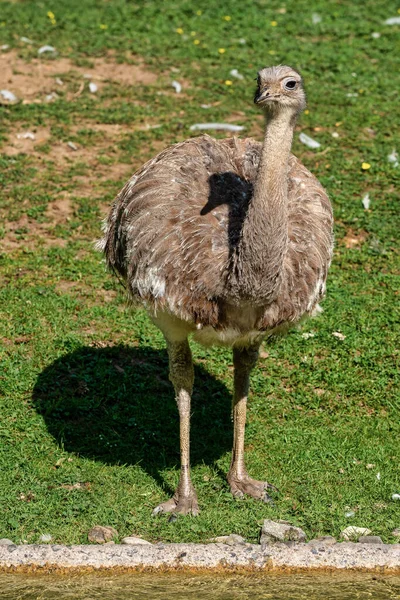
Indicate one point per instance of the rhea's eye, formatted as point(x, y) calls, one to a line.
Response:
point(290, 84)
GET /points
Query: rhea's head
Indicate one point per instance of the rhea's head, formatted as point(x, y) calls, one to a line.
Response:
point(279, 88)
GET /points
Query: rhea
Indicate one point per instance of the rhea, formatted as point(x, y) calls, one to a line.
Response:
point(228, 240)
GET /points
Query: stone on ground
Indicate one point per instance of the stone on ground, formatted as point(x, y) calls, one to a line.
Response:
point(101, 535)
point(351, 534)
point(396, 532)
point(133, 541)
point(280, 532)
point(229, 540)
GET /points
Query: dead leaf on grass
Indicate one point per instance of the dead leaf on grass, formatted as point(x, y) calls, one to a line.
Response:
point(86, 485)
point(353, 239)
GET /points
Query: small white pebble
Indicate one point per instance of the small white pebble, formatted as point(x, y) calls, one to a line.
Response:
point(46, 537)
point(339, 335)
point(307, 141)
point(26, 40)
point(177, 86)
point(28, 135)
point(44, 49)
point(350, 95)
point(395, 496)
point(366, 201)
point(393, 158)
point(205, 106)
point(235, 73)
point(93, 87)
point(242, 41)
point(59, 81)
point(9, 96)
point(50, 97)
point(316, 18)
point(72, 145)
point(216, 126)
point(349, 514)
point(335, 134)
point(376, 35)
point(393, 21)
point(4, 47)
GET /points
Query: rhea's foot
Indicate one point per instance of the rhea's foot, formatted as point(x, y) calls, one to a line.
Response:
point(244, 484)
point(179, 504)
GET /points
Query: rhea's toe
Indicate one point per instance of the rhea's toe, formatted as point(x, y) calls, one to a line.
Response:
point(182, 505)
point(251, 487)
point(165, 507)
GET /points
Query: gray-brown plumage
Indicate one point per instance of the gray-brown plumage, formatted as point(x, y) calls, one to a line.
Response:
point(229, 240)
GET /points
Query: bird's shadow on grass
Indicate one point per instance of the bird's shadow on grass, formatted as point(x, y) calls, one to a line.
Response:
point(116, 405)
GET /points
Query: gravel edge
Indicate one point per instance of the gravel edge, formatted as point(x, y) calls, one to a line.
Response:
point(279, 556)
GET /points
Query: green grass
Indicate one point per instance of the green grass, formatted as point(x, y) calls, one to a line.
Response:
point(84, 391)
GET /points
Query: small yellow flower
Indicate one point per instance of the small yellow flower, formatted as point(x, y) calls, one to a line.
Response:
point(196, 42)
point(221, 50)
point(103, 26)
point(307, 112)
point(271, 52)
point(274, 23)
point(228, 82)
point(179, 30)
point(53, 21)
point(199, 13)
point(227, 18)
point(398, 10)
point(365, 166)
point(192, 33)
point(51, 15)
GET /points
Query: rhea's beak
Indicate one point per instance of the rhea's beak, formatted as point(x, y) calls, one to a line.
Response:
point(261, 95)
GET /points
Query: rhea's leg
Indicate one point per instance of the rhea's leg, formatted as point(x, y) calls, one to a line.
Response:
point(244, 359)
point(181, 374)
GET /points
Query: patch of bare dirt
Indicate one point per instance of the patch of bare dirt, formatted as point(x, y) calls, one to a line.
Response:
point(21, 142)
point(31, 82)
point(353, 239)
point(58, 212)
point(65, 287)
point(65, 156)
point(34, 80)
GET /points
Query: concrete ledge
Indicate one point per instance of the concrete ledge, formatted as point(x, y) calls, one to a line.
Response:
point(276, 557)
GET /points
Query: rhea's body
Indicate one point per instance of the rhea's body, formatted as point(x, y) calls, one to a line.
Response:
point(178, 259)
point(228, 240)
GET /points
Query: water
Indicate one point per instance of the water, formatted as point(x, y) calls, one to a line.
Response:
point(183, 586)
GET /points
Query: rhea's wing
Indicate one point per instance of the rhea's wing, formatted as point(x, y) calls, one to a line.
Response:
point(172, 227)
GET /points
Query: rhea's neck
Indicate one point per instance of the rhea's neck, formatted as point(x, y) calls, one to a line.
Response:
point(263, 243)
